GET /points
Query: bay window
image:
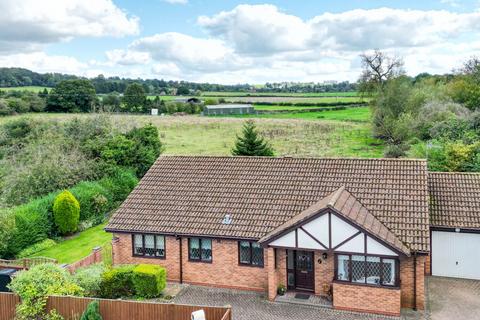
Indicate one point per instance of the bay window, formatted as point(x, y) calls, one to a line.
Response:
point(371, 270)
point(148, 245)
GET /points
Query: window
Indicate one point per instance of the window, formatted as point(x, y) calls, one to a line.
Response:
point(370, 270)
point(250, 253)
point(149, 245)
point(200, 249)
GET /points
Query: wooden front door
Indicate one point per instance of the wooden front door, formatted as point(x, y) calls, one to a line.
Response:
point(304, 271)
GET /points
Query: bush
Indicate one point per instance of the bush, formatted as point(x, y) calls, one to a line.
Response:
point(95, 201)
point(120, 182)
point(5, 110)
point(66, 212)
point(35, 285)
point(89, 279)
point(37, 247)
point(92, 312)
point(117, 282)
point(7, 227)
point(149, 280)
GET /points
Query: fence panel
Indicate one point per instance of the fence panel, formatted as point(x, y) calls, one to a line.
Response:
point(8, 301)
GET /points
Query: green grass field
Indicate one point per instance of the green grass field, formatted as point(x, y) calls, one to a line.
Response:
point(77, 247)
point(27, 88)
point(319, 134)
point(361, 114)
point(279, 94)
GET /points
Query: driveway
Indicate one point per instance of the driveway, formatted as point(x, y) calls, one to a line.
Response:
point(253, 306)
point(450, 298)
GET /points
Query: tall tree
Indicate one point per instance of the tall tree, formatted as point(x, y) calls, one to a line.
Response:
point(72, 96)
point(250, 143)
point(378, 68)
point(135, 98)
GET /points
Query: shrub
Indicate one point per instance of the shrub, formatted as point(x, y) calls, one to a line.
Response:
point(94, 200)
point(92, 312)
point(5, 110)
point(35, 285)
point(120, 182)
point(89, 279)
point(66, 212)
point(37, 247)
point(149, 280)
point(117, 282)
point(7, 227)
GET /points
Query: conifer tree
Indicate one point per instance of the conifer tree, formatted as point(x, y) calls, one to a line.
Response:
point(251, 143)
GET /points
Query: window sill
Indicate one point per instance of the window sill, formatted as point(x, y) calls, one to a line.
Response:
point(200, 261)
point(149, 257)
point(250, 265)
point(348, 283)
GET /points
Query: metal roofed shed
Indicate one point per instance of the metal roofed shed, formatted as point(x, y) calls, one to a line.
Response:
point(221, 109)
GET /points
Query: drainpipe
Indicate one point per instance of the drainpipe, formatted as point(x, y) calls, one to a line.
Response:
point(415, 281)
point(181, 258)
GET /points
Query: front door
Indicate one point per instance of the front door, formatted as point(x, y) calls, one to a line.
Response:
point(304, 273)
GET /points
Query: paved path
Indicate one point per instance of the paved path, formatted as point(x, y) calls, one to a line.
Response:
point(451, 299)
point(253, 306)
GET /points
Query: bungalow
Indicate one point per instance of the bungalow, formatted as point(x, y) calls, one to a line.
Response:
point(354, 230)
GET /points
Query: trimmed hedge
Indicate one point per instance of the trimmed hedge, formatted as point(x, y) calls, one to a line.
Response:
point(34, 220)
point(117, 282)
point(149, 280)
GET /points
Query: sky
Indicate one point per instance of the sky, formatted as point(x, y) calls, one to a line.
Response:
point(230, 41)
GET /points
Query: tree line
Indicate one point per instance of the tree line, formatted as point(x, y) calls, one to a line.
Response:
point(19, 77)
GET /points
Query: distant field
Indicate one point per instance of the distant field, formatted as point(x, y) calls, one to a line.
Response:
point(27, 88)
point(303, 135)
point(277, 99)
point(361, 114)
point(279, 94)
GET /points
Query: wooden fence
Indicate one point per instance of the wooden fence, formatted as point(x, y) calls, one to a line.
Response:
point(25, 263)
point(71, 308)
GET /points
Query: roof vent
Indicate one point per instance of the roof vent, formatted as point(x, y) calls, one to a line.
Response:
point(227, 219)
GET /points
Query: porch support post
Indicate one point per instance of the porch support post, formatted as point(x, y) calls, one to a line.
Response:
point(272, 274)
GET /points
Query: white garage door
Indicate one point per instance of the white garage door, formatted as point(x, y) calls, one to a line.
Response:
point(456, 254)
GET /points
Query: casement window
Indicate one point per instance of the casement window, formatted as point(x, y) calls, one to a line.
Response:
point(148, 245)
point(250, 253)
point(200, 249)
point(371, 270)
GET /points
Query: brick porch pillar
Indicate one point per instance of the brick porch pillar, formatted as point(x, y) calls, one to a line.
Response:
point(272, 274)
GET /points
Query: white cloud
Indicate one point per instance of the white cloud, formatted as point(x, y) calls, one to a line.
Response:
point(453, 3)
point(127, 57)
point(176, 1)
point(41, 62)
point(29, 24)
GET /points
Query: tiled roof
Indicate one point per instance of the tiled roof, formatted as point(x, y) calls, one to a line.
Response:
point(348, 206)
point(191, 195)
point(454, 200)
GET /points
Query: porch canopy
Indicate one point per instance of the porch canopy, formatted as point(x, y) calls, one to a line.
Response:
point(340, 223)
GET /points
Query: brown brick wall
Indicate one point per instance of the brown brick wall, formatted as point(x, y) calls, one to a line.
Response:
point(122, 254)
point(428, 270)
point(324, 272)
point(366, 299)
point(224, 271)
point(406, 278)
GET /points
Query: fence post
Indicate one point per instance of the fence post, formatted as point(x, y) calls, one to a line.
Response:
point(96, 254)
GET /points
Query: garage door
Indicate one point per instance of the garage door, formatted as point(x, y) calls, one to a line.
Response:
point(456, 254)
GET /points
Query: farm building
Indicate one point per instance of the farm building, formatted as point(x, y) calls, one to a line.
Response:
point(220, 109)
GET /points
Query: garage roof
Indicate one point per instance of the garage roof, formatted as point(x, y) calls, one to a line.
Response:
point(454, 199)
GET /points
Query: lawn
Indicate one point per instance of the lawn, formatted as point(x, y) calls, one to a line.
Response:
point(77, 247)
point(26, 88)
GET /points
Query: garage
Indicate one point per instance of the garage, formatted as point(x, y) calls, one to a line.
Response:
point(456, 254)
point(455, 224)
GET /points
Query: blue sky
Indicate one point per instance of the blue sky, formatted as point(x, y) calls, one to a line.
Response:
point(234, 41)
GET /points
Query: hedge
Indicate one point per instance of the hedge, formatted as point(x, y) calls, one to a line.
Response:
point(117, 282)
point(34, 220)
point(149, 280)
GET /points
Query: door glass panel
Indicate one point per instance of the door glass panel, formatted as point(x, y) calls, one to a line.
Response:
point(291, 280)
point(304, 261)
point(290, 259)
